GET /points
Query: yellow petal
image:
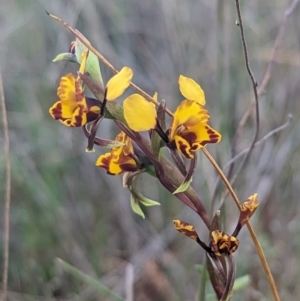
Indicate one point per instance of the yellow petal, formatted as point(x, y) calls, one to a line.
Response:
point(79, 117)
point(188, 114)
point(194, 138)
point(118, 83)
point(203, 134)
point(183, 146)
point(84, 56)
point(103, 160)
point(70, 92)
point(139, 114)
point(60, 112)
point(191, 90)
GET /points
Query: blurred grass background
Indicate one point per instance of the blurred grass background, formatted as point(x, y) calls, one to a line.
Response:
point(63, 206)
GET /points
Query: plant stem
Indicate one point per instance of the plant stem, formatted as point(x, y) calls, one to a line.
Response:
point(6, 213)
point(250, 229)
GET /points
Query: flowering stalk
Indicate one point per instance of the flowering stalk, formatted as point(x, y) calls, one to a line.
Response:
point(133, 153)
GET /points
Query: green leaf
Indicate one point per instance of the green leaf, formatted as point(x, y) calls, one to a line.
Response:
point(184, 186)
point(241, 282)
point(147, 202)
point(67, 56)
point(88, 280)
point(135, 205)
point(92, 64)
point(156, 142)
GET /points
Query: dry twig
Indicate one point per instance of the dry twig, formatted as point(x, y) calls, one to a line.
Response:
point(266, 78)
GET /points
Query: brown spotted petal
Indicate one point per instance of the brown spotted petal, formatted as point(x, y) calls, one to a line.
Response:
point(190, 231)
point(189, 130)
point(186, 229)
point(73, 109)
point(222, 243)
point(247, 210)
point(120, 159)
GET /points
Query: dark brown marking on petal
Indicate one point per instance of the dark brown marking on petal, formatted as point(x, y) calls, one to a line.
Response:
point(223, 244)
point(213, 136)
point(128, 167)
point(91, 116)
point(190, 137)
point(188, 148)
point(78, 117)
point(185, 149)
point(105, 162)
point(57, 111)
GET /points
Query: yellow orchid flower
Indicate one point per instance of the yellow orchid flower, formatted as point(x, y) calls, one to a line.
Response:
point(119, 159)
point(73, 109)
point(188, 132)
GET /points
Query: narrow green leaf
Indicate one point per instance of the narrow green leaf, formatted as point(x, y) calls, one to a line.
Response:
point(184, 186)
point(92, 64)
point(147, 202)
point(67, 56)
point(88, 279)
point(135, 206)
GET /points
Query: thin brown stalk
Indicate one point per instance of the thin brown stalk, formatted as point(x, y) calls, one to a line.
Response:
point(257, 245)
point(6, 216)
point(254, 87)
point(268, 73)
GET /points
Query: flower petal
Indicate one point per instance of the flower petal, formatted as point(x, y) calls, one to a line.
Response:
point(84, 57)
point(222, 243)
point(70, 92)
point(79, 117)
point(191, 90)
point(139, 114)
point(119, 83)
point(104, 160)
point(186, 229)
point(201, 134)
point(183, 147)
point(188, 114)
point(60, 112)
point(194, 138)
point(120, 158)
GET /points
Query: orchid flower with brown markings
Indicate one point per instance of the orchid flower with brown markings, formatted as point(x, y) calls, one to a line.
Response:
point(189, 130)
point(73, 109)
point(120, 159)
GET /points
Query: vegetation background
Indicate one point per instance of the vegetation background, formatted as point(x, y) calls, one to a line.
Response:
point(64, 207)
